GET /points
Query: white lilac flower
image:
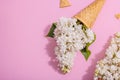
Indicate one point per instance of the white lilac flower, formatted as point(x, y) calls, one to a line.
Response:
point(109, 67)
point(70, 38)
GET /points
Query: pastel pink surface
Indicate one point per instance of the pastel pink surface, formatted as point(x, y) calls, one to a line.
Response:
point(25, 52)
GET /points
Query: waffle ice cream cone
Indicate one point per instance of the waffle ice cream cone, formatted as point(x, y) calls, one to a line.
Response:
point(89, 14)
point(64, 3)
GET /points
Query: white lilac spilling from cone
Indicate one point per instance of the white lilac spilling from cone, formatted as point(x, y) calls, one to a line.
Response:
point(109, 67)
point(74, 34)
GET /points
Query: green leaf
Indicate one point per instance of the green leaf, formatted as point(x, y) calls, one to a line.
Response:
point(85, 51)
point(51, 31)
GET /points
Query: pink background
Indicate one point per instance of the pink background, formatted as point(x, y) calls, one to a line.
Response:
point(25, 52)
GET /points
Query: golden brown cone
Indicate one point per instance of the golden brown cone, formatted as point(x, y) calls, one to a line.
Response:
point(64, 3)
point(89, 14)
point(117, 16)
